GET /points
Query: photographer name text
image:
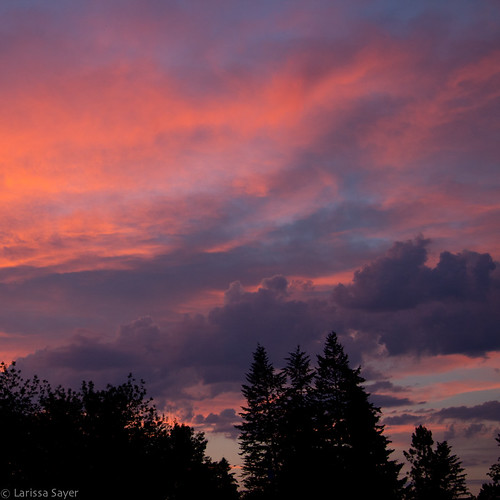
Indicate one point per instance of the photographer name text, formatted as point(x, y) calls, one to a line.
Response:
point(34, 493)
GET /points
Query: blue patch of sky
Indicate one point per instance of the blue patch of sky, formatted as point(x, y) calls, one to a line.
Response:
point(397, 16)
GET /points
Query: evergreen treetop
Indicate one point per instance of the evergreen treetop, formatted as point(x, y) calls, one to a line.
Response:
point(320, 429)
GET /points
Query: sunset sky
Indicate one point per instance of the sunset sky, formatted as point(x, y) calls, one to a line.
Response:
point(184, 179)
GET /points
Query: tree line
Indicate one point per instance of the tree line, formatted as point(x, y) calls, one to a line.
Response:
point(306, 432)
point(310, 431)
point(101, 444)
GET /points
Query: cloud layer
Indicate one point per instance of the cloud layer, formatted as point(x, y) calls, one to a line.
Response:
point(396, 305)
point(182, 180)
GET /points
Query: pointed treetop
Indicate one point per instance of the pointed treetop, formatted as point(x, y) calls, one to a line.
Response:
point(333, 349)
point(298, 369)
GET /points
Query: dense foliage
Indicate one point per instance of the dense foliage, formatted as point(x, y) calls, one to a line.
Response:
point(108, 443)
point(309, 430)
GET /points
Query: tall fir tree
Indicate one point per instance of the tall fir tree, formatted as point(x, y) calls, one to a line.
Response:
point(435, 474)
point(350, 439)
point(450, 473)
point(259, 430)
point(306, 431)
point(296, 432)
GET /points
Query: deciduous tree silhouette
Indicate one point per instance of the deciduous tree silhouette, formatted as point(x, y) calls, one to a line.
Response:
point(108, 443)
point(435, 474)
point(491, 491)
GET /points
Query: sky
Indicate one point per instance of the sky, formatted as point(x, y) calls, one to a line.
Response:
point(182, 180)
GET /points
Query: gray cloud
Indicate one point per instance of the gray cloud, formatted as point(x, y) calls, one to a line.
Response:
point(490, 410)
point(215, 348)
point(414, 308)
point(476, 417)
point(448, 308)
point(223, 422)
point(387, 401)
point(403, 419)
point(401, 279)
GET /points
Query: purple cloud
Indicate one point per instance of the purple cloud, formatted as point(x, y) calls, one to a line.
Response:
point(446, 309)
point(415, 308)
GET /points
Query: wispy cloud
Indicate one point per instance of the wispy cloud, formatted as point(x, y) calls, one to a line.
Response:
point(182, 179)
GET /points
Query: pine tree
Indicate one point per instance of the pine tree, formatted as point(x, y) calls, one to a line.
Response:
point(296, 427)
point(349, 437)
point(306, 431)
point(259, 437)
point(435, 474)
point(491, 491)
point(330, 430)
point(449, 473)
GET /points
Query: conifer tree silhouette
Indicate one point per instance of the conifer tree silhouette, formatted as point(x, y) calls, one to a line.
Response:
point(296, 432)
point(435, 473)
point(315, 429)
point(349, 434)
point(259, 437)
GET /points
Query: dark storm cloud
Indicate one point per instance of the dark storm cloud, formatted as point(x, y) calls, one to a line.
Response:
point(401, 279)
point(271, 316)
point(214, 349)
point(449, 308)
point(390, 282)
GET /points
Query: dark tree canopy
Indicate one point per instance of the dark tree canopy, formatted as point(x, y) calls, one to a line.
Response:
point(321, 431)
point(435, 473)
point(108, 443)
